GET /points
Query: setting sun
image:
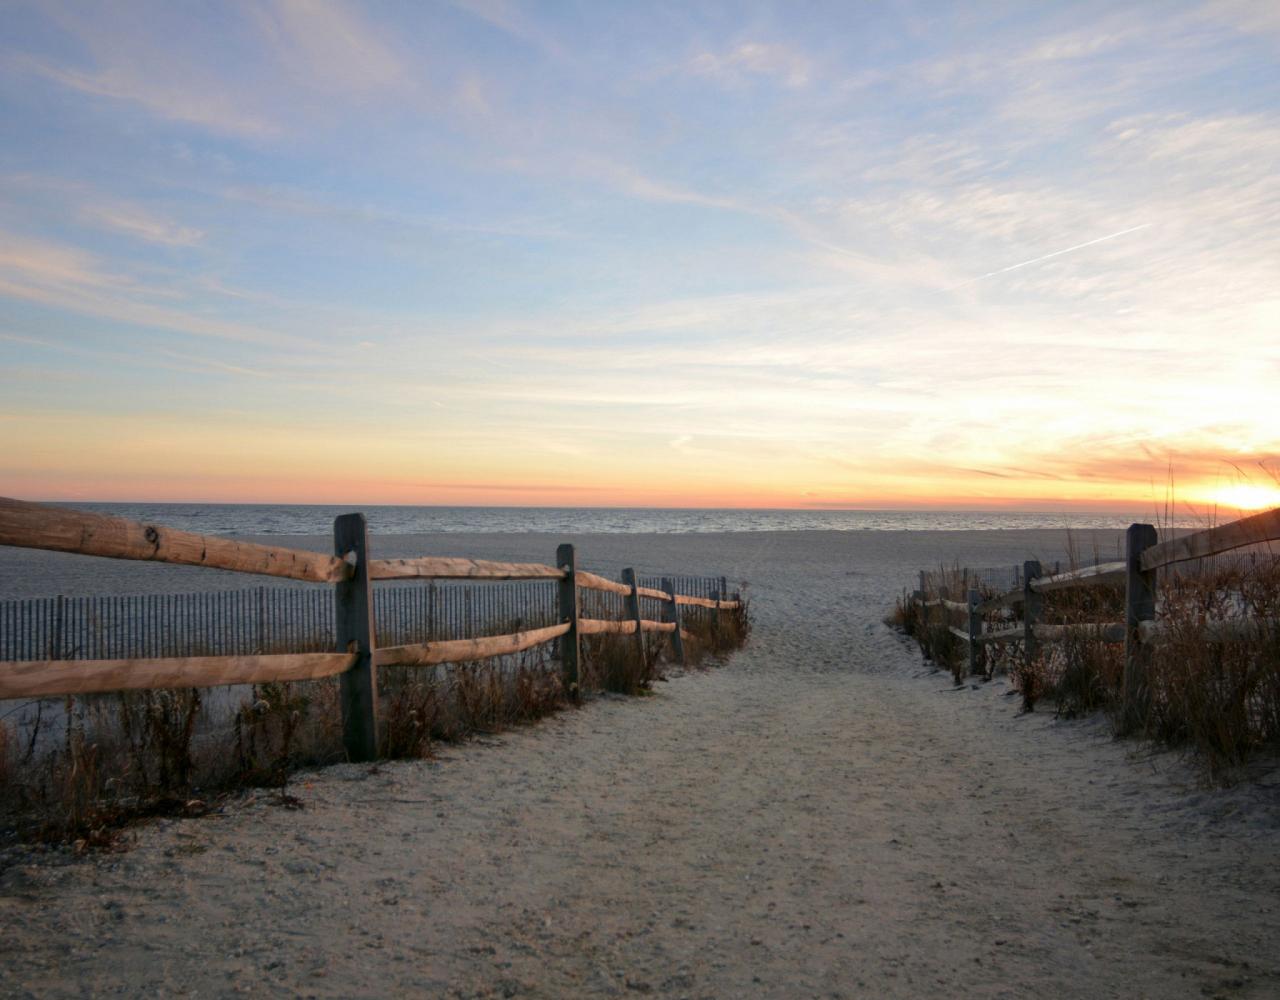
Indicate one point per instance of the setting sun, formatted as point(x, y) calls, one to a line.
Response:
point(1247, 496)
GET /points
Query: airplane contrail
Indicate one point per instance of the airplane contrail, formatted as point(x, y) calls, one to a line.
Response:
point(1056, 253)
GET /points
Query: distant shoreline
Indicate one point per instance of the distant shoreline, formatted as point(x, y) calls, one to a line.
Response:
point(282, 520)
point(893, 557)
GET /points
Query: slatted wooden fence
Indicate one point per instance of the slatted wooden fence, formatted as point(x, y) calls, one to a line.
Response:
point(584, 604)
point(265, 619)
point(1144, 556)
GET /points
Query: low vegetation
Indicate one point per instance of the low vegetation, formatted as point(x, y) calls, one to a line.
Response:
point(80, 769)
point(1214, 696)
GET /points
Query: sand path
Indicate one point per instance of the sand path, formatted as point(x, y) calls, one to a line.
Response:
point(820, 818)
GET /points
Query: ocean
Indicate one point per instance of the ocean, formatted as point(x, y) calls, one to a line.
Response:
point(307, 519)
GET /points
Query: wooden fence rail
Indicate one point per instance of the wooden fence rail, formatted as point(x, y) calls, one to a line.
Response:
point(39, 526)
point(45, 678)
point(351, 571)
point(1140, 631)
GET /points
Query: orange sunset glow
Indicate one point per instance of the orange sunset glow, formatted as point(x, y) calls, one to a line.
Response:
point(743, 274)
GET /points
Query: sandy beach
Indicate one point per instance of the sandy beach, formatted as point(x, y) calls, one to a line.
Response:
point(822, 816)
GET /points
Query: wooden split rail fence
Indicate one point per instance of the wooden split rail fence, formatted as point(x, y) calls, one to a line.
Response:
point(1144, 555)
point(351, 571)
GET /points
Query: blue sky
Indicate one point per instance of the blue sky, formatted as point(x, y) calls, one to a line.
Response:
point(624, 253)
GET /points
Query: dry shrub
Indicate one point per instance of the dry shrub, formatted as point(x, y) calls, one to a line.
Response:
point(1216, 696)
point(712, 633)
point(1087, 674)
point(454, 702)
point(82, 769)
point(615, 663)
point(1080, 671)
point(1220, 697)
point(931, 626)
point(6, 756)
point(1029, 680)
point(411, 708)
point(286, 725)
point(113, 758)
point(931, 629)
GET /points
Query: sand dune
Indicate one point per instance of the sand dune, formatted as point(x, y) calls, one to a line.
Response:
point(820, 818)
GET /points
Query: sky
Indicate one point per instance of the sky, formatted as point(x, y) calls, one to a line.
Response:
point(592, 254)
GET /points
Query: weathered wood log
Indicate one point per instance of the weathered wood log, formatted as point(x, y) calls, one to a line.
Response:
point(1015, 633)
point(605, 626)
point(704, 602)
point(354, 628)
point(954, 605)
point(1103, 631)
point(1106, 631)
point(40, 526)
point(465, 650)
point(626, 626)
point(46, 678)
point(457, 568)
point(1008, 599)
point(590, 581)
point(610, 626)
point(959, 633)
point(1112, 572)
point(1213, 630)
point(1263, 527)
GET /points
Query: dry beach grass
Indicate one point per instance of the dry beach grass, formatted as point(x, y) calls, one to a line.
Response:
point(84, 774)
point(823, 817)
point(1217, 697)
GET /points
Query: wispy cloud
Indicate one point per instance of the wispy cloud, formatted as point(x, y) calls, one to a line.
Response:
point(135, 221)
point(289, 53)
point(331, 46)
point(508, 18)
point(754, 59)
point(161, 94)
point(68, 278)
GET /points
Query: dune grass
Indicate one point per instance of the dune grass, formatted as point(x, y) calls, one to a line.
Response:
point(1216, 698)
point(81, 769)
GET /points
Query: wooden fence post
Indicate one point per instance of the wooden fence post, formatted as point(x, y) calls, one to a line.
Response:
point(633, 608)
point(1139, 606)
point(1032, 607)
point(975, 630)
point(671, 612)
point(570, 645)
point(353, 621)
